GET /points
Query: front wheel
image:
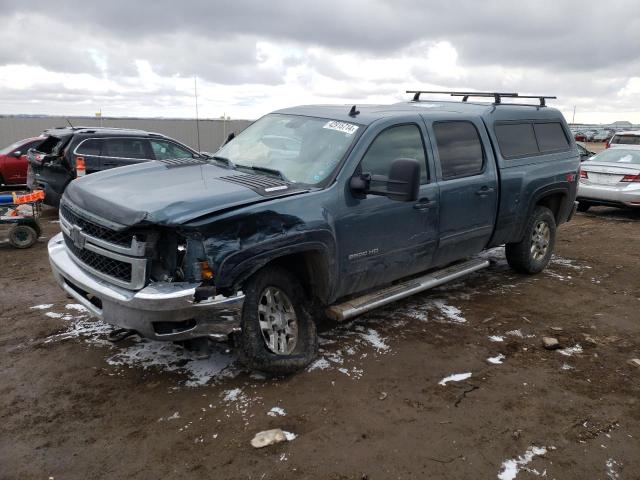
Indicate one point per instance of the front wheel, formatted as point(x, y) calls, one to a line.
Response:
point(278, 336)
point(532, 254)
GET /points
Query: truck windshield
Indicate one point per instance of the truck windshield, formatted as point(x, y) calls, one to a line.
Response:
point(300, 149)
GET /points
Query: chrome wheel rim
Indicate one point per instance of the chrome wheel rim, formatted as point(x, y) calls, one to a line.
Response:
point(278, 321)
point(540, 240)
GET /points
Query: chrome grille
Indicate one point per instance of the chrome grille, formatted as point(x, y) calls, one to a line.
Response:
point(97, 231)
point(108, 266)
point(117, 257)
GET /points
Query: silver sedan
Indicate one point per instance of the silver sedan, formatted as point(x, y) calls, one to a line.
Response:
point(612, 178)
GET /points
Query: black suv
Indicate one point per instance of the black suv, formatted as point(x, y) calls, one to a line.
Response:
point(74, 151)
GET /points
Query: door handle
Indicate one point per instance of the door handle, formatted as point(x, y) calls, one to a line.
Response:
point(424, 204)
point(484, 191)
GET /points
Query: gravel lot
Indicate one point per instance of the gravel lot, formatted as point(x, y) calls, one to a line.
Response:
point(376, 404)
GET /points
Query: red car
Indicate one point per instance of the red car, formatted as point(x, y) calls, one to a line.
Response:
point(13, 161)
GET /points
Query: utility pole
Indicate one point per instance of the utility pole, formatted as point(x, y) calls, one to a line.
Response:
point(573, 120)
point(195, 91)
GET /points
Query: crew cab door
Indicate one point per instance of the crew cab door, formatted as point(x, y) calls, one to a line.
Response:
point(468, 184)
point(379, 239)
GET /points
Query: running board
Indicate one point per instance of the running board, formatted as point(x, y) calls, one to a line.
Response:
point(357, 306)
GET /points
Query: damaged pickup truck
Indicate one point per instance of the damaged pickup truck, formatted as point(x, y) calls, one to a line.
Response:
point(315, 211)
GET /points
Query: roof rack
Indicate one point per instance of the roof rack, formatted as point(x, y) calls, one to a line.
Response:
point(497, 96)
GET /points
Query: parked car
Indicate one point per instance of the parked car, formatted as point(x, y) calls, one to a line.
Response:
point(584, 153)
point(611, 178)
point(66, 153)
point(312, 211)
point(601, 136)
point(627, 139)
point(13, 161)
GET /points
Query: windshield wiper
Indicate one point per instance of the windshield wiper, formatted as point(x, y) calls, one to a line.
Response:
point(224, 160)
point(267, 170)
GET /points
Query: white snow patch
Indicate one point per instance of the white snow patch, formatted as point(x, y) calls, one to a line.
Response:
point(456, 377)
point(44, 306)
point(567, 352)
point(174, 416)
point(566, 262)
point(375, 339)
point(169, 357)
point(77, 307)
point(320, 364)
point(611, 472)
point(510, 468)
point(454, 314)
point(566, 366)
point(496, 338)
point(289, 436)
point(232, 395)
point(53, 315)
point(497, 360)
point(277, 411)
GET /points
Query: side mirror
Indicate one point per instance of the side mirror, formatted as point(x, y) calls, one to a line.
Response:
point(17, 153)
point(230, 137)
point(402, 184)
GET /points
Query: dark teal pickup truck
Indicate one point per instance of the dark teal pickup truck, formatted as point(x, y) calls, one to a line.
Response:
point(316, 211)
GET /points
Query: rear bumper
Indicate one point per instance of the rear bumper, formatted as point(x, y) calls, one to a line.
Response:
point(160, 311)
point(628, 196)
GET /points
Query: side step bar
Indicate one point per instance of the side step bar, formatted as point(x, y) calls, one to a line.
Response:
point(357, 306)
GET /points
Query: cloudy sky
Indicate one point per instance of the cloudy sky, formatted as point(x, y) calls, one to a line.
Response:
point(137, 58)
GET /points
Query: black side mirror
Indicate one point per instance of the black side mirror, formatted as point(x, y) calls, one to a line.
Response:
point(402, 184)
point(230, 137)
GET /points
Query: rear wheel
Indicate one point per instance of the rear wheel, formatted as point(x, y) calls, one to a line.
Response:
point(278, 335)
point(532, 254)
point(583, 206)
point(22, 236)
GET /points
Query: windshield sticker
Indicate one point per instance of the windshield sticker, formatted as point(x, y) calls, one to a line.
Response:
point(344, 127)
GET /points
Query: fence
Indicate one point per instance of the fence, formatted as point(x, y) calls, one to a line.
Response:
point(212, 132)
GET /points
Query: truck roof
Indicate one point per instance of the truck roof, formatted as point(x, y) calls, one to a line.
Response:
point(429, 108)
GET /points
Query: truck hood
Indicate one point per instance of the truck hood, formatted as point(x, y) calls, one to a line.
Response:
point(169, 193)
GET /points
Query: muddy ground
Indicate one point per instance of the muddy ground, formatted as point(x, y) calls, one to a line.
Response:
point(72, 406)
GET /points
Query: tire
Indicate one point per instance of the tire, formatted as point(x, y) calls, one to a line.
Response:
point(22, 236)
point(274, 290)
point(532, 254)
point(583, 206)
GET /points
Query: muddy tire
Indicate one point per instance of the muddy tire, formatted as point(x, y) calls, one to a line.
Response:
point(278, 336)
point(22, 236)
point(532, 254)
point(583, 206)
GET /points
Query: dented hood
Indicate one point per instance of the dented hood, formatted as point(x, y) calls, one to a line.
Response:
point(160, 193)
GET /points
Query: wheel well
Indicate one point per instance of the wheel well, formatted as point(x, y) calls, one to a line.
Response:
point(554, 203)
point(311, 269)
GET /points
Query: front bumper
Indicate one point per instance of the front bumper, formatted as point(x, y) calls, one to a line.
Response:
point(160, 311)
point(627, 195)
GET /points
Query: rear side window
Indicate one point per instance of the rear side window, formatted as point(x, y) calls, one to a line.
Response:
point(626, 139)
point(403, 141)
point(551, 137)
point(531, 138)
point(459, 149)
point(91, 146)
point(126, 148)
point(50, 144)
point(517, 140)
